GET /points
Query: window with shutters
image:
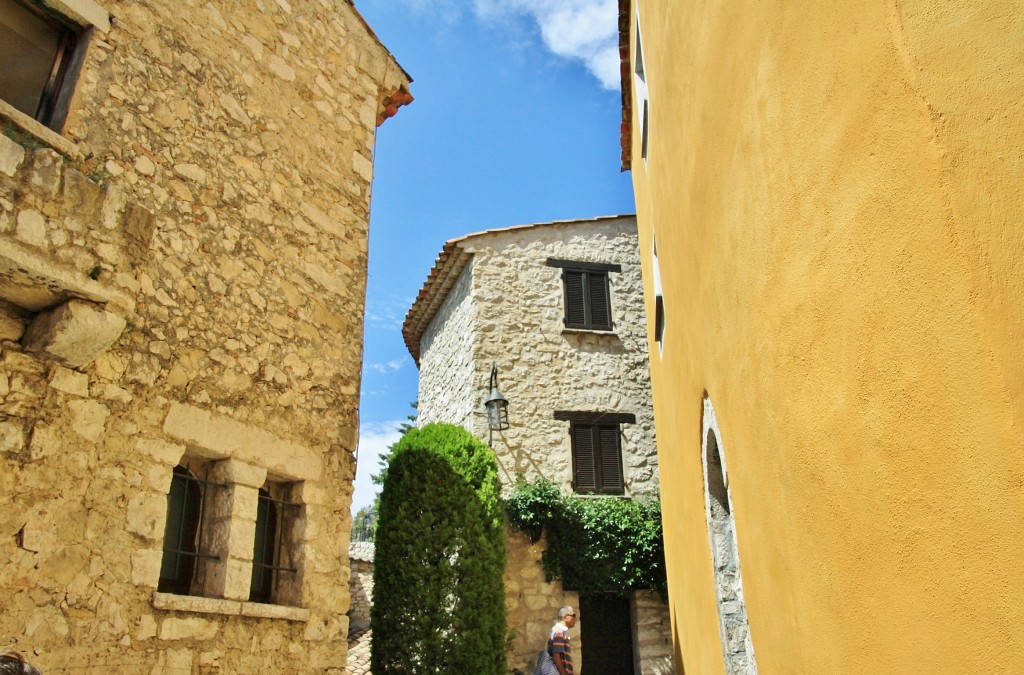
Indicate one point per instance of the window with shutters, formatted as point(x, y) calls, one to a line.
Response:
point(597, 459)
point(41, 52)
point(184, 548)
point(587, 292)
point(596, 450)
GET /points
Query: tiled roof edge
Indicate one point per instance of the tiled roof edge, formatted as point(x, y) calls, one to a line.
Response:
point(626, 128)
point(449, 264)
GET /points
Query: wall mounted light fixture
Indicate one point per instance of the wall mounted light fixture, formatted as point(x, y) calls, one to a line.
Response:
point(496, 406)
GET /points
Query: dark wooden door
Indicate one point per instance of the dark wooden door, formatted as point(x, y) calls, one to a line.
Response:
point(606, 635)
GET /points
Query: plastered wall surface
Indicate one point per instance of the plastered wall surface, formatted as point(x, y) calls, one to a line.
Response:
point(836, 194)
point(507, 308)
point(208, 204)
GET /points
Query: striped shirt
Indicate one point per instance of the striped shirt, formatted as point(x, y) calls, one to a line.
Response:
point(559, 643)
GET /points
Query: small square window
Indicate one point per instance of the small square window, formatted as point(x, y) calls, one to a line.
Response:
point(40, 54)
point(273, 564)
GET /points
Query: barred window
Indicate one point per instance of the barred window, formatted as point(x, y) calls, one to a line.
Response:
point(183, 532)
point(272, 557)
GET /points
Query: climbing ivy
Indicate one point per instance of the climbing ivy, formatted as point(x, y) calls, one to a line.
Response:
point(594, 544)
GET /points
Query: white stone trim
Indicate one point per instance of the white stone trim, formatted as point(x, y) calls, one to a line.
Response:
point(199, 605)
point(83, 12)
point(39, 131)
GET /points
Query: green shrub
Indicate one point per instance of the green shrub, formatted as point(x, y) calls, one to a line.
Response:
point(594, 545)
point(439, 601)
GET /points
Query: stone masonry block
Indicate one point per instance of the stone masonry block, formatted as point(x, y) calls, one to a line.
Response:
point(74, 333)
point(191, 628)
point(11, 156)
point(145, 515)
point(237, 472)
point(227, 437)
point(162, 451)
point(70, 382)
point(146, 567)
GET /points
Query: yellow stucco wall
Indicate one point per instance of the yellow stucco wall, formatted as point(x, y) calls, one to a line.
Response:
point(837, 191)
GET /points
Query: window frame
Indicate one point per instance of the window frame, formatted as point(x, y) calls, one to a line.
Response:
point(643, 94)
point(586, 296)
point(73, 37)
point(659, 299)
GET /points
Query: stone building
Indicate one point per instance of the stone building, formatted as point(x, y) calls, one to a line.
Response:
point(558, 307)
point(360, 584)
point(184, 196)
point(829, 202)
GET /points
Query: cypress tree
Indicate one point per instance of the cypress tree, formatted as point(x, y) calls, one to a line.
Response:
point(439, 602)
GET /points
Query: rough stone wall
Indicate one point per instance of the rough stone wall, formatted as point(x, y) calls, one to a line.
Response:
point(515, 318)
point(211, 192)
point(360, 584)
point(449, 390)
point(653, 639)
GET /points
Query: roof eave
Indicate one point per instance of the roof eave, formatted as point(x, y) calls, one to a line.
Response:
point(626, 128)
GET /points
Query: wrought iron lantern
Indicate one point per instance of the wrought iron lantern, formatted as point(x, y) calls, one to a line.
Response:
point(496, 405)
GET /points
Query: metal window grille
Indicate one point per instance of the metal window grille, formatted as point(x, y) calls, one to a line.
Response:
point(186, 502)
point(272, 519)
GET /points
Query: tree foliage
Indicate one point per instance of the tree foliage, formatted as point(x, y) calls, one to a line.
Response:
point(364, 523)
point(439, 604)
point(594, 545)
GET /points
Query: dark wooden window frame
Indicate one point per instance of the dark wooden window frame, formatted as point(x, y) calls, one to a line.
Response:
point(55, 98)
point(274, 518)
point(587, 293)
point(596, 450)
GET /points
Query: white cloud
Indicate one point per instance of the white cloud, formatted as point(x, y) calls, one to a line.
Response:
point(585, 30)
point(388, 367)
point(374, 439)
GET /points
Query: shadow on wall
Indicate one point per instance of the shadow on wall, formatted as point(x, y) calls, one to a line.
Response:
point(607, 343)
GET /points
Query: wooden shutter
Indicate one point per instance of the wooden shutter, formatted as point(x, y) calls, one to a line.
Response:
point(575, 298)
point(611, 460)
point(584, 467)
point(600, 307)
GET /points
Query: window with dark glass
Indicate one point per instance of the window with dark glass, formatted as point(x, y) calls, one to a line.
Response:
point(587, 293)
point(271, 556)
point(182, 533)
point(596, 450)
point(39, 57)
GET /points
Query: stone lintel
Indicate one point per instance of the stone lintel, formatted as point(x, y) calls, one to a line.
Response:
point(227, 437)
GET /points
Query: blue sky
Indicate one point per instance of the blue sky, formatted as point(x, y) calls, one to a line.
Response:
point(516, 120)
